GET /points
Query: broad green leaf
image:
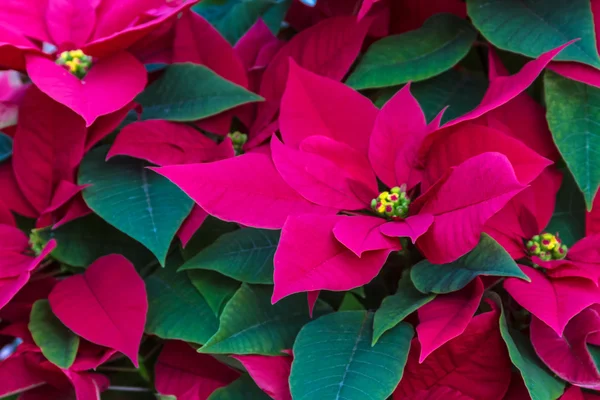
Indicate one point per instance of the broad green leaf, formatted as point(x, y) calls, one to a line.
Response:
point(134, 199)
point(245, 255)
point(6, 147)
point(83, 240)
point(58, 344)
point(461, 90)
point(532, 27)
point(395, 308)
point(540, 382)
point(250, 324)
point(188, 92)
point(437, 46)
point(211, 230)
point(176, 310)
point(334, 359)
point(489, 258)
point(573, 114)
point(568, 219)
point(243, 388)
point(233, 18)
point(216, 289)
point(350, 303)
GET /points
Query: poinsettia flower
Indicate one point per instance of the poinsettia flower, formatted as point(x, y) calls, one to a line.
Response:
point(91, 72)
point(474, 365)
point(567, 355)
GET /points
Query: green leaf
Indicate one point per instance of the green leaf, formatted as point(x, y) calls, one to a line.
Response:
point(133, 199)
point(216, 289)
point(188, 92)
point(573, 114)
point(568, 219)
point(233, 18)
point(58, 344)
point(245, 255)
point(350, 303)
point(83, 240)
point(176, 310)
point(532, 27)
point(437, 46)
point(461, 90)
point(541, 383)
point(211, 230)
point(241, 389)
point(6, 147)
point(489, 258)
point(249, 323)
point(334, 359)
point(395, 308)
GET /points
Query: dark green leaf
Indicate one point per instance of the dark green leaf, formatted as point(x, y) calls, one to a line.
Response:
point(334, 359)
point(188, 92)
point(489, 259)
point(82, 241)
point(395, 308)
point(245, 255)
point(211, 230)
point(133, 199)
point(243, 388)
point(216, 289)
point(568, 219)
point(350, 303)
point(233, 18)
point(437, 46)
point(532, 27)
point(250, 324)
point(574, 119)
point(176, 310)
point(540, 382)
point(6, 147)
point(58, 344)
point(461, 90)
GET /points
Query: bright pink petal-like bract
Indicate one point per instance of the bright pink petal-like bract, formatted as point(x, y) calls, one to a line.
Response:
point(329, 48)
point(398, 133)
point(106, 305)
point(167, 143)
point(245, 189)
point(446, 317)
point(362, 233)
point(310, 258)
point(568, 356)
point(271, 374)
point(316, 105)
point(461, 212)
point(111, 84)
point(555, 301)
point(48, 147)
